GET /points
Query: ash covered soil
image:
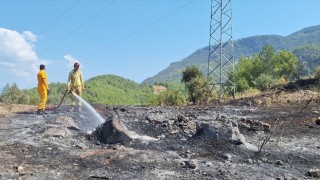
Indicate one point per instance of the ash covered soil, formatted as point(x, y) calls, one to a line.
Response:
point(219, 141)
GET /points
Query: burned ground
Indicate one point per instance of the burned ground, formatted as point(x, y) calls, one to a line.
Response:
point(167, 143)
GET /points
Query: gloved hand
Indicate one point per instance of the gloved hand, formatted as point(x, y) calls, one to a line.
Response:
point(68, 90)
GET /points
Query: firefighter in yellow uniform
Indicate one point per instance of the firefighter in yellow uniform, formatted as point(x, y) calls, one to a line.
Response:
point(43, 89)
point(75, 85)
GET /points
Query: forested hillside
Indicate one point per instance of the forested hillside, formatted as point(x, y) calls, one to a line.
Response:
point(247, 47)
point(105, 89)
point(115, 90)
point(308, 54)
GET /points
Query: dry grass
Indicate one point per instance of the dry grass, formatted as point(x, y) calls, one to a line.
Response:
point(10, 109)
point(248, 93)
point(158, 89)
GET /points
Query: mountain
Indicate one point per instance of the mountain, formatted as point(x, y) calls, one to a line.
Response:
point(242, 47)
point(309, 54)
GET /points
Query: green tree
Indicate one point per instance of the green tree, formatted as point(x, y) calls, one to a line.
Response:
point(189, 73)
point(244, 72)
point(265, 68)
point(13, 95)
point(285, 64)
point(267, 56)
point(195, 83)
point(242, 85)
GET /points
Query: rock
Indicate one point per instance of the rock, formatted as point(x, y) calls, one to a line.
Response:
point(162, 136)
point(81, 146)
point(67, 122)
point(245, 125)
point(234, 136)
point(182, 118)
point(249, 161)
point(57, 132)
point(187, 154)
point(227, 157)
point(289, 177)
point(255, 125)
point(310, 126)
point(173, 132)
point(315, 173)
point(164, 125)
point(112, 131)
point(259, 161)
point(229, 133)
point(157, 118)
point(279, 162)
point(280, 178)
point(20, 170)
point(190, 164)
point(205, 129)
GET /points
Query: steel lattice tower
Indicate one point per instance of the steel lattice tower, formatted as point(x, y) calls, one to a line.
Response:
point(221, 59)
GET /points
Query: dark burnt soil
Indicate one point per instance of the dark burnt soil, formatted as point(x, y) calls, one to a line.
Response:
point(167, 147)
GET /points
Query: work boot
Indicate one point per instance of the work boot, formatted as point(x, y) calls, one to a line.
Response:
point(40, 112)
point(71, 109)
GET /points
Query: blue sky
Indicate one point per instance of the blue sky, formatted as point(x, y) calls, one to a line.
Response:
point(134, 39)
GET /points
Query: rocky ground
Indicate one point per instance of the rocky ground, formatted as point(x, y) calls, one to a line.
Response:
point(220, 141)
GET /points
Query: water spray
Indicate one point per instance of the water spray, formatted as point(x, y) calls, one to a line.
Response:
point(91, 109)
point(97, 116)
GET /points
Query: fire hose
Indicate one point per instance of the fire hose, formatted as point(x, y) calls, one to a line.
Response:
point(64, 95)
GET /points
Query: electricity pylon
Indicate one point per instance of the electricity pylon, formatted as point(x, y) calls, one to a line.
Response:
point(220, 72)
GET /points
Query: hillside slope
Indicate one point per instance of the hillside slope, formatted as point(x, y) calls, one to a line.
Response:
point(115, 90)
point(104, 89)
point(242, 47)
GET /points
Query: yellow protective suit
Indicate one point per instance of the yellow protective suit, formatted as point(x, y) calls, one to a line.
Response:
point(76, 85)
point(42, 89)
point(43, 100)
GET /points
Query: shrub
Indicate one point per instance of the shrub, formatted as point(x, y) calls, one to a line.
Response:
point(242, 85)
point(13, 95)
point(264, 81)
point(167, 98)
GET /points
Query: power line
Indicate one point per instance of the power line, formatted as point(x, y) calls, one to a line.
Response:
point(52, 23)
point(79, 27)
point(122, 39)
point(59, 17)
point(139, 30)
